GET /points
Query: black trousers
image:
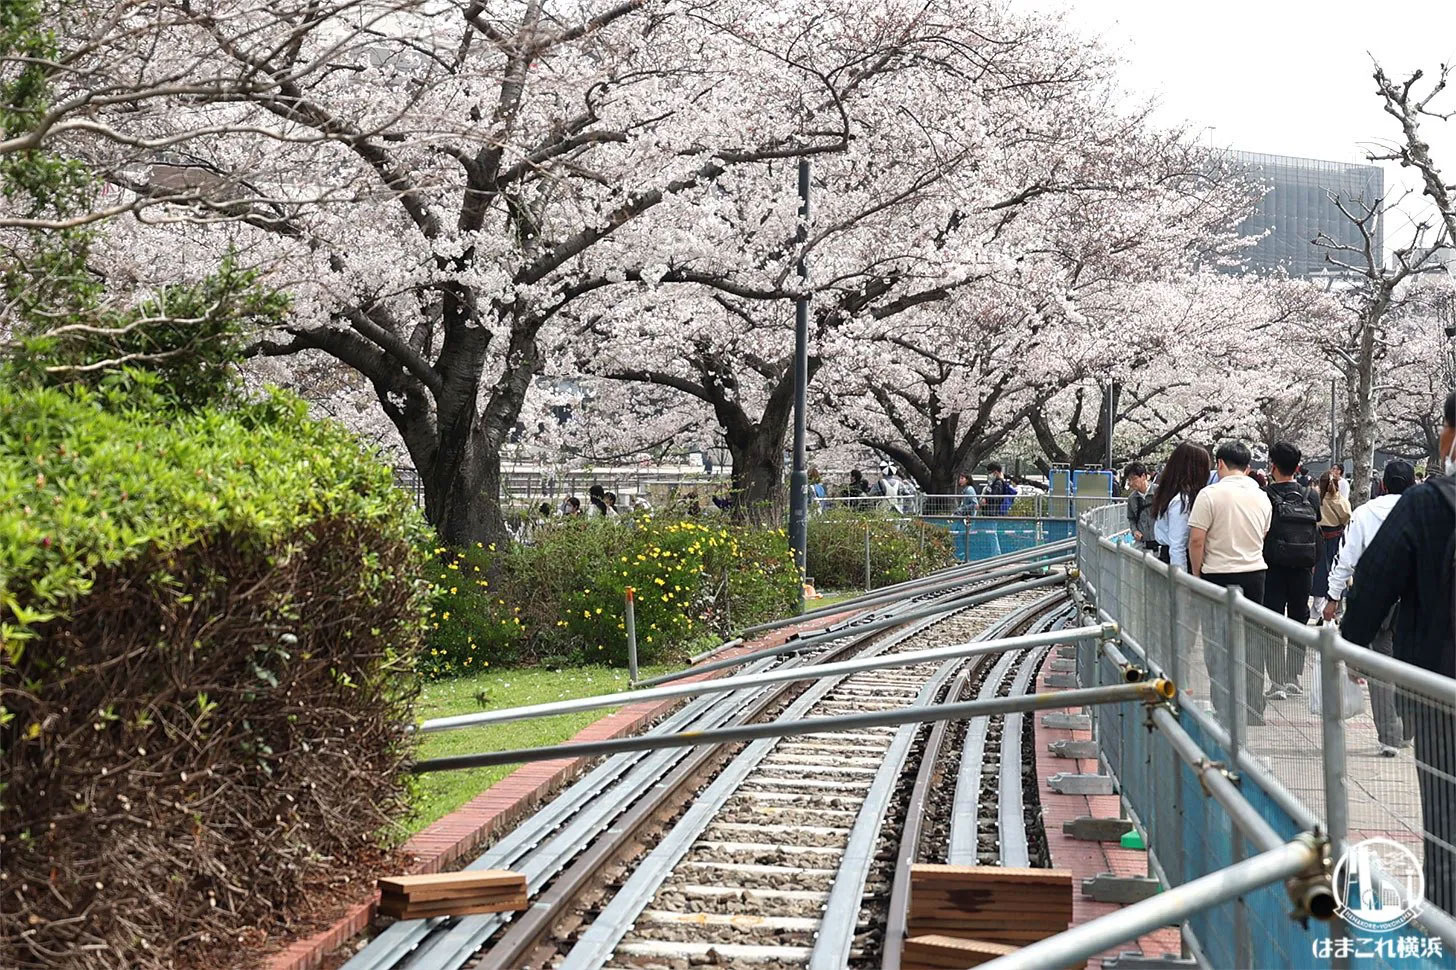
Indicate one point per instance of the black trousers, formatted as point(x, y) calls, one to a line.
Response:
point(1218, 660)
point(1435, 743)
point(1286, 591)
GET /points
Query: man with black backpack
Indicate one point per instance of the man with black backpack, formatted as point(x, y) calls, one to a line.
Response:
point(1412, 561)
point(1291, 548)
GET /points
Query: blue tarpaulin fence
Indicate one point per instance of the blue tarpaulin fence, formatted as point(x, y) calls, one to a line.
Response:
point(983, 537)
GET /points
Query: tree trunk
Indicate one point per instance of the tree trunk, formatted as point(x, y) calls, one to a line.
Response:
point(462, 483)
point(1360, 406)
point(758, 475)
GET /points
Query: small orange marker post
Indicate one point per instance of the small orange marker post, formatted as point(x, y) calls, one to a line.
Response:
point(631, 636)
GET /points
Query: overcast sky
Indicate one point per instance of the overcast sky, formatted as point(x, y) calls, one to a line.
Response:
point(1290, 77)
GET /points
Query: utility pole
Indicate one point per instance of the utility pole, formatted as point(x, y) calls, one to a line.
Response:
point(799, 478)
point(1334, 429)
point(1111, 418)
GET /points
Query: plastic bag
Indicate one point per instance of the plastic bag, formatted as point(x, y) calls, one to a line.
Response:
point(1350, 702)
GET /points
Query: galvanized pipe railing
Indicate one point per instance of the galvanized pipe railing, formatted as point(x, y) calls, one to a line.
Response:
point(776, 676)
point(1145, 691)
point(805, 641)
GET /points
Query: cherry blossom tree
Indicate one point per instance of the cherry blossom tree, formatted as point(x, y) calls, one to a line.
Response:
point(1373, 294)
point(1016, 157)
point(438, 181)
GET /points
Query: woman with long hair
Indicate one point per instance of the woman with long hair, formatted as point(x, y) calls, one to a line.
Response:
point(1183, 477)
point(1334, 516)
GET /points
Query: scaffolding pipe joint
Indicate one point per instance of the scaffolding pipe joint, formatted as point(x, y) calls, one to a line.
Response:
point(1311, 891)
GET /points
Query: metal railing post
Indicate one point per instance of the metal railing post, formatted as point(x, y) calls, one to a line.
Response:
point(631, 636)
point(1233, 657)
point(867, 557)
point(1332, 759)
point(1175, 672)
point(1238, 725)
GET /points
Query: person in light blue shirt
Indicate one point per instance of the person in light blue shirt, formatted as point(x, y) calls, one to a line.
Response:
point(969, 499)
point(1184, 476)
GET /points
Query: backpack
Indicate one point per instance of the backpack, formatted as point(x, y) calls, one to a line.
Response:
point(1292, 529)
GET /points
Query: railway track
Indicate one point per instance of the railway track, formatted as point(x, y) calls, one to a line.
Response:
point(772, 850)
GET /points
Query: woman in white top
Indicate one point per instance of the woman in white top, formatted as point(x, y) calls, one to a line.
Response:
point(1183, 477)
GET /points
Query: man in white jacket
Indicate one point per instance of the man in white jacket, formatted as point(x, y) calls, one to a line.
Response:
point(1398, 476)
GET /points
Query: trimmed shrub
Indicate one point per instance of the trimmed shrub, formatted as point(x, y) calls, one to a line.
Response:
point(899, 550)
point(209, 624)
point(562, 596)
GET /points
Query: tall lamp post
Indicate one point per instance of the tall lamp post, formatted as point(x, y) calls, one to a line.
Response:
point(799, 478)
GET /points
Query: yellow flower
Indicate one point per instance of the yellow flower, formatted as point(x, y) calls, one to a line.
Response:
point(446, 615)
point(599, 611)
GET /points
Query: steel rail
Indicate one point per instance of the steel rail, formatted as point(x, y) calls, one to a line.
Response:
point(961, 849)
point(841, 910)
point(596, 944)
point(530, 927)
point(454, 947)
point(723, 685)
point(1147, 690)
point(804, 641)
point(896, 920)
point(596, 792)
point(951, 575)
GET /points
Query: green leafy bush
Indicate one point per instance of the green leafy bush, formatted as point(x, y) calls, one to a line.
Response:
point(563, 595)
point(209, 623)
point(898, 550)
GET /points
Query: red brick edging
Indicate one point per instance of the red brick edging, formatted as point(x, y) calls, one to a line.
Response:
point(459, 834)
point(1087, 859)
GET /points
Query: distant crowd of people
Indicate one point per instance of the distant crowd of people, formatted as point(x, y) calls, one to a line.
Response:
point(1297, 547)
point(898, 491)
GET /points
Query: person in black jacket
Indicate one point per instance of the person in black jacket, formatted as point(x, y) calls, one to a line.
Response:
point(1291, 548)
point(1412, 561)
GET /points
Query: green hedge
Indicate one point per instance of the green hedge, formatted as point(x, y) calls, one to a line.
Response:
point(560, 598)
point(209, 626)
point(899, 549)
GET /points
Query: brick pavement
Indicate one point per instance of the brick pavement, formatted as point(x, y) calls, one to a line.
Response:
point(458, 835)
point(1087, 859)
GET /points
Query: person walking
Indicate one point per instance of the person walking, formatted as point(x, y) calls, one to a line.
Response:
point(1183, 477)
point(1364, 524)
point(858, 487)
point(1291, 549)
point(1412, 562)
point(999, 492)
point(1226, 531)
point(969, 501)
point(1334, 516)
point(1337, 472)
point(1139, 505)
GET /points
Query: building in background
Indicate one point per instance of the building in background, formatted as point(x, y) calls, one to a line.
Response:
point(1298, 208)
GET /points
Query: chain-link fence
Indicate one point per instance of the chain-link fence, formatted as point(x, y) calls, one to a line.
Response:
point(1321, 735)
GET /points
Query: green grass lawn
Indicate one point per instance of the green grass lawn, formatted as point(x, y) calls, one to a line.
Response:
point(442, 792)
point(833, 597)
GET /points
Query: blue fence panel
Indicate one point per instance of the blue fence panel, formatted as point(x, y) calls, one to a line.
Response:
point(985, 537)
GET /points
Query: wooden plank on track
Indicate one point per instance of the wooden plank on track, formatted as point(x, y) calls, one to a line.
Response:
point(990, 904)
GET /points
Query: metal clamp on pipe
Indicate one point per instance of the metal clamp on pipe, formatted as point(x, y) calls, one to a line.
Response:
point(1311, 891)
point(1131, 672)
